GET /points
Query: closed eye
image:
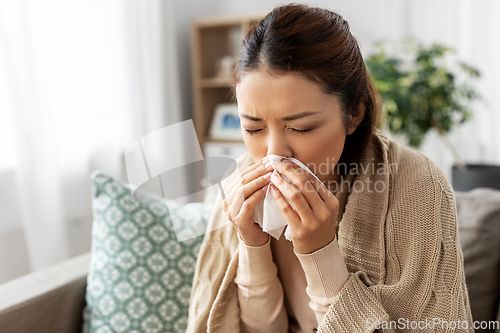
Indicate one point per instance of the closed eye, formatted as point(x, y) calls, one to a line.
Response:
point(251, 132)
point(294, 130)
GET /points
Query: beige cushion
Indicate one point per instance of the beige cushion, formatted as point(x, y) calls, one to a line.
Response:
point(478, 213)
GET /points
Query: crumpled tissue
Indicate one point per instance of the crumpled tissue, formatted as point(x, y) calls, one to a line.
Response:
point(267, 213)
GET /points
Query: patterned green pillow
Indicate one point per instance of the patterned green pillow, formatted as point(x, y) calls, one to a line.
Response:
point(140, 275)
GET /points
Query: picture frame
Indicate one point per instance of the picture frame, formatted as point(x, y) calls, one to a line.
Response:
point(225, 123)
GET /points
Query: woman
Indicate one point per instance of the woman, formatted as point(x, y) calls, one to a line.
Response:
point(373, 238)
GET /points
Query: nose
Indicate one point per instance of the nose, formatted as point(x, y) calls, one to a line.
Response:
point(277, 144)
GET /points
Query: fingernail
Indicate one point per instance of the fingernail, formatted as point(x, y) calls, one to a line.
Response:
point(278, 162)
point(267, 175)
point(263, 158)
point(269, 165)
point(265, 188)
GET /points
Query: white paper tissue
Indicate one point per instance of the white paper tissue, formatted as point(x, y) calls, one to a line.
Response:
point(267, 213)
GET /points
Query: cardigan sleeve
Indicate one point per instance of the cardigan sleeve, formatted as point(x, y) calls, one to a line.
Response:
point(424, 286)
point(260, 294)
point(326, 273)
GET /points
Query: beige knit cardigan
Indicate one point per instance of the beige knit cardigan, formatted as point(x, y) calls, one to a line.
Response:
point(400, 246)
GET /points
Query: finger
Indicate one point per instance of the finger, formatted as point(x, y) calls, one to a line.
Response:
point(230, 188)
point(256, 184)
point(257, 172)
point(224, 206)
point(236, 203)
point(293, 195)
point(244, 192)
point(289, 214)
point(244, 172)
point(248, 178)
point(312, 187)
point(251, 202)
point(304, 182)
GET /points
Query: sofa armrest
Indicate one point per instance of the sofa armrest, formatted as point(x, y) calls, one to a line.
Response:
point(49, 300)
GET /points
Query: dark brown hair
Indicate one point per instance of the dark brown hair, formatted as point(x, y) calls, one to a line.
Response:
point(318, 44)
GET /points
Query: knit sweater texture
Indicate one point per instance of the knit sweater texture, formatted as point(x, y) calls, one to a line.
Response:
point(397, 233)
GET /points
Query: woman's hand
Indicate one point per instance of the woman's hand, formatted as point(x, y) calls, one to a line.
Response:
point(242, 196)
point(313, 225)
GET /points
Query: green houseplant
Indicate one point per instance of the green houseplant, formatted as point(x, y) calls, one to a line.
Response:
point(424, 88)
point(421, 90)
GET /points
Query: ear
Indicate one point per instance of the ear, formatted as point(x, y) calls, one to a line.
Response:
point(356, 118)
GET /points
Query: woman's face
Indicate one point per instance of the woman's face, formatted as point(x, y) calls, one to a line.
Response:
point(291, 116)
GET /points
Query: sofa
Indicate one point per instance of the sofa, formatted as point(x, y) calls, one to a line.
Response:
point(49, 300)
point(53, 299)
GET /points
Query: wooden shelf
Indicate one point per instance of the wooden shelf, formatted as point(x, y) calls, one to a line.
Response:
point(214, 83)
point(212, 39)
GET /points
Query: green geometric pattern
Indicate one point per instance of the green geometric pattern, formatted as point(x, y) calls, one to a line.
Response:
point(140, 276)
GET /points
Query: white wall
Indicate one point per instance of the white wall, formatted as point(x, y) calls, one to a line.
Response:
point(369, 20)
point(12, 243)
point(186, 11)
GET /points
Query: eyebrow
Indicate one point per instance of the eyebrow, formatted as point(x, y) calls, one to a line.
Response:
point(293, 117)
